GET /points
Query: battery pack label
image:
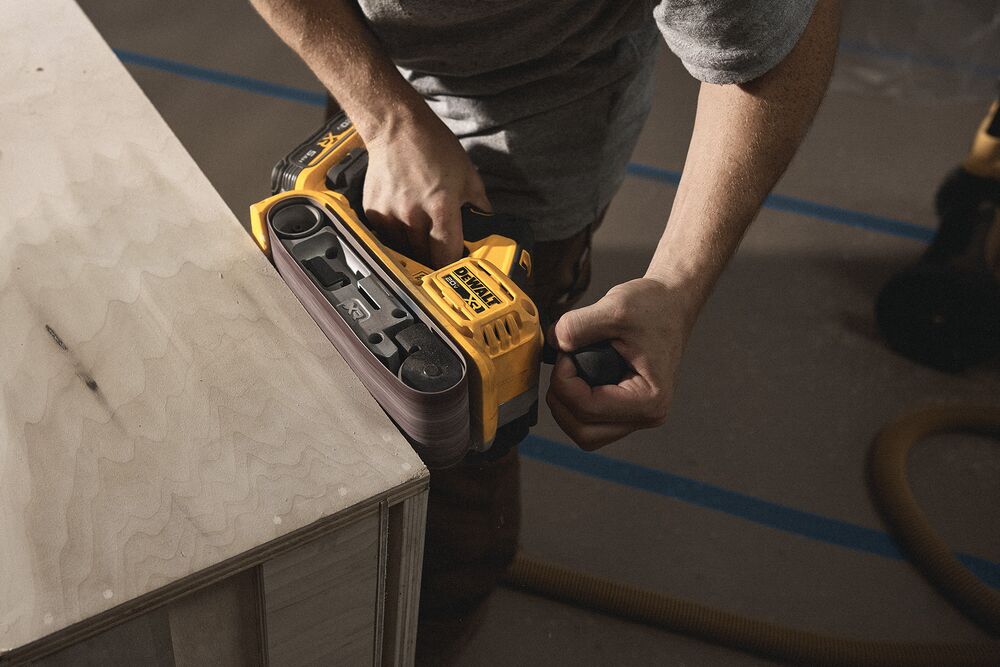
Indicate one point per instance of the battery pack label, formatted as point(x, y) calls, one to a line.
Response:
point(328, 138)
point(471, 289)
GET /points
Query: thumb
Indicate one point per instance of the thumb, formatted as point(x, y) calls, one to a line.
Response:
point(584, 326)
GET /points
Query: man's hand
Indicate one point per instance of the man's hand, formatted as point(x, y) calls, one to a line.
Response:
point(418, 173)
point(648, 322)
point(744, 135)
point(418, 178)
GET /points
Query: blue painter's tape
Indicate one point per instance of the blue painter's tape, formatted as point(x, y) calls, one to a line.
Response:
point(808, 208)
point(224, 78)
point(938, 62)
point(762, 512)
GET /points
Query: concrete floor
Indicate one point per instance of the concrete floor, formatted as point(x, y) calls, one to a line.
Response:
point(784, 383)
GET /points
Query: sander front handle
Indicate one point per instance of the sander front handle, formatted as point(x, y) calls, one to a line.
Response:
point(598, 364)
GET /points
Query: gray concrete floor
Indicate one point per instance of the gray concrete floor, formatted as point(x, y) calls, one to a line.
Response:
point(782, 388)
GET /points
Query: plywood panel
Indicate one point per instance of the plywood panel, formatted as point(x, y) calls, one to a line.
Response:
point(144, 640)
point(321, 599)
point(165, 404)
point(219, 625)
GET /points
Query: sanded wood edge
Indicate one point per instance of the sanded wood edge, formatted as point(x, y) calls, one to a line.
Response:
point(95, 625)
point(406, 527)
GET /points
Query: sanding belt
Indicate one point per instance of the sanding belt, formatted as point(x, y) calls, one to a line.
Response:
point(441, 418)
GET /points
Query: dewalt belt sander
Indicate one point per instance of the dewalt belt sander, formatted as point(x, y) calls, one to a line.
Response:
point(452, 355)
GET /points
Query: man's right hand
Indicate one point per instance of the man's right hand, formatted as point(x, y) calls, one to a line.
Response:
point(418, 173)
point(419, 176)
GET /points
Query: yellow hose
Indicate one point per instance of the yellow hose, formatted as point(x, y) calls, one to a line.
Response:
point(905, 520)
point(894, 500)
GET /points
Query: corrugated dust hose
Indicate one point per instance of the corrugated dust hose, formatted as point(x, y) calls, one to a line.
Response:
point(891, 492)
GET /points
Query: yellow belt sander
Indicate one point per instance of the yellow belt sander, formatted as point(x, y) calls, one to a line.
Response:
point(452, 355)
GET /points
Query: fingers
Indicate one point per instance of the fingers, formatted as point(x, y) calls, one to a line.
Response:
point(416, 224)
point(414, 193)
point(429, 233)
point(630, 401)
point(587, 325)
point(445, 234)
point(477, 194)
point(588, 436)
point(633, 401)
point(391, 233)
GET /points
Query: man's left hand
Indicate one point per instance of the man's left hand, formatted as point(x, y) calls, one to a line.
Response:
point(648, 322)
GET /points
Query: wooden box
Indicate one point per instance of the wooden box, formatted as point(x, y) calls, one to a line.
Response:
point(189, 472)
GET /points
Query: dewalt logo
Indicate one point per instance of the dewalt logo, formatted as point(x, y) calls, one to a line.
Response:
point(477, 296)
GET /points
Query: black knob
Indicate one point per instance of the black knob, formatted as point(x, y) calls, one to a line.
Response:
point(600, 364)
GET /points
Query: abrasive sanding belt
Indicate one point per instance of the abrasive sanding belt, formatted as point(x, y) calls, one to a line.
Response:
point(892, 495)
point(437, 422)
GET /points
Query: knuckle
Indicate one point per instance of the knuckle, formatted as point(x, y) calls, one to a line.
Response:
point(411, 215)
point(618, 311)
point(439, 206)
point(566, 328)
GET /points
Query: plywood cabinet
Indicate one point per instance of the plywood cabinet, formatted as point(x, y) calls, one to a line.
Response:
point(329, 601)
point(189, 472)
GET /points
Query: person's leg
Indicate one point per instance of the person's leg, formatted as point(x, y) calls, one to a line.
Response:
point(473, 522)
point(562, 272)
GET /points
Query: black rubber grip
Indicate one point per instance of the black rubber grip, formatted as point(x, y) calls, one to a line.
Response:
point(477, 225)
point(600, 364)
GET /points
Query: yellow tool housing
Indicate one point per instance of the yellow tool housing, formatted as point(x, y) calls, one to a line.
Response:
point(475, 300)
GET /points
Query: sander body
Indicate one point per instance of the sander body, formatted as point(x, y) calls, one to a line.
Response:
point(452, 354)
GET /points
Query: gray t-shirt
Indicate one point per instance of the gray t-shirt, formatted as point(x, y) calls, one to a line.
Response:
point(549, 96)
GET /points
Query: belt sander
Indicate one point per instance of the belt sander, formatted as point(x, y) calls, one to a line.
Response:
point(452, 355)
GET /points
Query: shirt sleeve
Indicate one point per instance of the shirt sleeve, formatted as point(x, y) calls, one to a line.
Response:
point(731, 41)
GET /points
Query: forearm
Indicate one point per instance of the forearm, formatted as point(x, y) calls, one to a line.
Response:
point(744, 137)
point(332, 39)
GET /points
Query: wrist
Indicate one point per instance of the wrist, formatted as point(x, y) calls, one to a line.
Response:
point(692, 284)
point(392, 116)
point(687, 291)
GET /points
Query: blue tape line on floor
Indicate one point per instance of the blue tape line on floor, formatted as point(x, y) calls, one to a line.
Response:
point(938, 62)
point(808, 208)
point(756, 510)
point(224, 78)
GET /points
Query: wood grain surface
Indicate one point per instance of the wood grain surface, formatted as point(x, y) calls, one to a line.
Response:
point(165, 403)
point(320, 600)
